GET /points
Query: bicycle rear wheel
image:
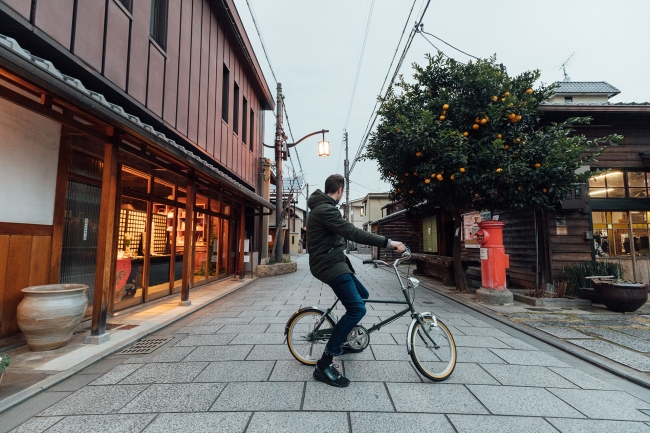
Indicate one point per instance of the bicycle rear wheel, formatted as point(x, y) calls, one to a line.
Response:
point(435, 359)
point(303, 344)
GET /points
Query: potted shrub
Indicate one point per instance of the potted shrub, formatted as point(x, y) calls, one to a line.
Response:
point(621, 295)
point(578, 277)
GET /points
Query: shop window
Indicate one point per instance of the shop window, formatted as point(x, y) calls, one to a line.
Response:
point(158, 22)
point(132, 239)
point(163, 189)
point(134, 180)
point(612, 236)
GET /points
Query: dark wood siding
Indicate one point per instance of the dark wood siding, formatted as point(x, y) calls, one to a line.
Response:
point(23, 7)
point(89, 32)
point(156, 80)
point(139, 52)
point(184, 67)
point(405, 228)
point(180, 84)
point(117, 45)
point(54, 17)
point(203, 80)
point(171, 68)
point(569, 248)
point(195, 71)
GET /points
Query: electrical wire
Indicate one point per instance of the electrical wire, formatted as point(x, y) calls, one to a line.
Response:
point(363, 49)
point(259, 34)
point(407, 45)
point(422, 32)
point(363, 186)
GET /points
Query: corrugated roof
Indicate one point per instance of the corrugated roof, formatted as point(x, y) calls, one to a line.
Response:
point(586, 87)
point(13, 46)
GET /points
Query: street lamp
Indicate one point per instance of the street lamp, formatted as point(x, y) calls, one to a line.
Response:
point(323, 147)
point(323, 150)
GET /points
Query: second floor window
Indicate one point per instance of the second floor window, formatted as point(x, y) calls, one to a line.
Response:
point(225, 94)
point(244, 122)
point(251, 123)
point(128, 4)
point(235, 110)
point(158, 23)
point(620, 184)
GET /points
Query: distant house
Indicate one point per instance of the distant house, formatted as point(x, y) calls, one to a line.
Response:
point(607, 219)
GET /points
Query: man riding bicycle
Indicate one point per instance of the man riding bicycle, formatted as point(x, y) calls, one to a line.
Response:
point(327, 232)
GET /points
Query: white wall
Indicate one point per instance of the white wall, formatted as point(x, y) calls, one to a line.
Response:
point(29, 153)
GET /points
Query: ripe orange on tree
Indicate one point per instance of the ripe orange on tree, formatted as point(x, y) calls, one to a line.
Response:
point(499, 136)
point(445, 107)
point(475, 126)
point(427, 181)
point(442, 117)
point(529, 91)
point(538, 165)
point(465, 134)
point(439, 177)
point(418, 154)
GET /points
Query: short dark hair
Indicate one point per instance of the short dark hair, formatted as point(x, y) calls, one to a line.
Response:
point(333, 183)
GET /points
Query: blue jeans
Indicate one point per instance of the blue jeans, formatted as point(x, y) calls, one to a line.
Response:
point(351, 293)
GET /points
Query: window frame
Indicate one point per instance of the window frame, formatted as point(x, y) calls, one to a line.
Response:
point(158, 22)
point(225, 94)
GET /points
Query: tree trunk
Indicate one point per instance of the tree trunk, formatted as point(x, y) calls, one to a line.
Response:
point(545, 256)
point(459, 273)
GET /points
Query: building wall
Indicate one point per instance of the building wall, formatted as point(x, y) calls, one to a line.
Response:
point(29, 151)
point(579, 99)
point(180, 84)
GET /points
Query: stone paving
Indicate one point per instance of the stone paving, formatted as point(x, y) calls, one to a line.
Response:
point(228, 369)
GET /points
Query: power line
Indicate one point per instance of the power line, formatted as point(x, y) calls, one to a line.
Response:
point(363, 49)
point(407, 45)
point(268, 60)
point(422, 32)
point(363, 186)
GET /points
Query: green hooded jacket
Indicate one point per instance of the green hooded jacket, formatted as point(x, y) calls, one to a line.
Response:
point(327, 231)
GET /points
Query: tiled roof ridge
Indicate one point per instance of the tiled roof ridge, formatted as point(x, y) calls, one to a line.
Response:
point(13, 45)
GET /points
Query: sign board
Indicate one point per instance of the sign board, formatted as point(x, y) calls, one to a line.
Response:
point(247, 258)
point(470, 227)
point(246, 245)
point(484, 253)
point(561, 226)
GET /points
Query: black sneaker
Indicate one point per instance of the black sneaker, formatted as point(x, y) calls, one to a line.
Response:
point(331, 376)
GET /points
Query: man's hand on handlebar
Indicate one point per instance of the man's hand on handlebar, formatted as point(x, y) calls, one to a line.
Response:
point(398, 247)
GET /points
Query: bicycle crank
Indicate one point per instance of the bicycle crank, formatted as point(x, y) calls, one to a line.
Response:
point(358, 339)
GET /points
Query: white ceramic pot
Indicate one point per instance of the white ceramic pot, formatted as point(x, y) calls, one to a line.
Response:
point(48, 315)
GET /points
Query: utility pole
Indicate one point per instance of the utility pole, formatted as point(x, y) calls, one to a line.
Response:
point(347, 189)
point(279, 133)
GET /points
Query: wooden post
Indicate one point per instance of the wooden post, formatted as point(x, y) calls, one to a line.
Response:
point(60, 196)
point(188, 250)
point(242, 222)
point(105, 272)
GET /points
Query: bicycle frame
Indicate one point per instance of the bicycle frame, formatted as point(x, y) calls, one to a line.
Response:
point(318, 334)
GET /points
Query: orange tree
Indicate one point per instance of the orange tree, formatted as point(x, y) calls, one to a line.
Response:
point(463, 136)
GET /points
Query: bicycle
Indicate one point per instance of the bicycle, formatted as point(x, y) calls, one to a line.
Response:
point(428, 341)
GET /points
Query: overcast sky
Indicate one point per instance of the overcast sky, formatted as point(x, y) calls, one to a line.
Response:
point(314, 48)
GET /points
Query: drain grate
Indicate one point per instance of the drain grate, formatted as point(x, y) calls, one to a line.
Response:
point(145, 346)
point(537, 309)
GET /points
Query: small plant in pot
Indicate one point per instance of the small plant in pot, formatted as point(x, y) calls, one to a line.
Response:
point(621, 295)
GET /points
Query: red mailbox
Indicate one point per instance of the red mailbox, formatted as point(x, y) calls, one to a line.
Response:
point(494, 259)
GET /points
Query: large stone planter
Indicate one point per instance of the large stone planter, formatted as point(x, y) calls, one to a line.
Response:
point(276, 269)
point(48, 315)
point(621, 297)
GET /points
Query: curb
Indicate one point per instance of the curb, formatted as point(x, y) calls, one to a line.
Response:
point(41, 386)
point(590, 357)
point(602, 362)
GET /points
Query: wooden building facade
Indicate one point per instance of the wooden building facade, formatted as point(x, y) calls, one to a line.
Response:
point(607, 219)
point(130, 146)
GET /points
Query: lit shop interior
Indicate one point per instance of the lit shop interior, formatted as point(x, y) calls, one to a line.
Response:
point(620, 215)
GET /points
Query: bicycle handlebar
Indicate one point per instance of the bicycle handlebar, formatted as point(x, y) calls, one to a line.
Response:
point(405, 256)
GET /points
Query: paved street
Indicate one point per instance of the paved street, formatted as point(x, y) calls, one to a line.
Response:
point(227, 369)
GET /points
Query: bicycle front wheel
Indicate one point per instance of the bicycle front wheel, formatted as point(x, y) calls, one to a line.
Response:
point(434, 357)
point(304, 344)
